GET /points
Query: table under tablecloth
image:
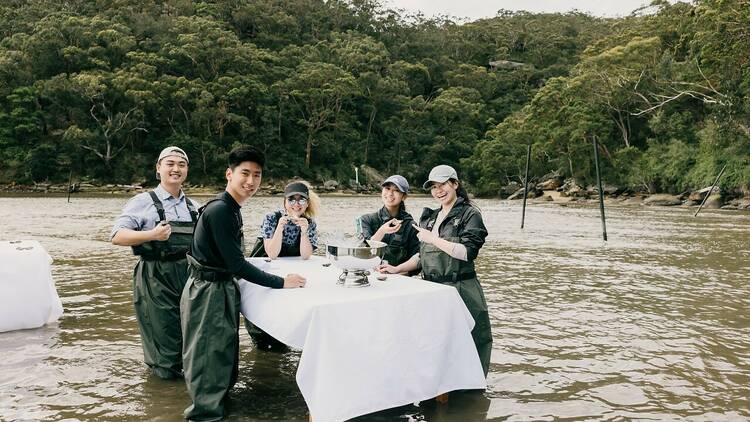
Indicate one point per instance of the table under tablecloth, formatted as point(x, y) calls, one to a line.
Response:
point(366, 349)
point(28, 298)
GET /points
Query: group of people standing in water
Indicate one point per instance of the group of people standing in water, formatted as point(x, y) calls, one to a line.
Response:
point(184, 290)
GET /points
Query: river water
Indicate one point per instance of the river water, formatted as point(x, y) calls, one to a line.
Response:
point(652, 325)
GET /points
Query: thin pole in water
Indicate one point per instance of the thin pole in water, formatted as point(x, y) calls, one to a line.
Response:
point(601, 192)
point(70, 187)
point(705, 198)
point(526, 183)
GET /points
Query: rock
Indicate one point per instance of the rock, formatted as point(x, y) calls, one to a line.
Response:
point(611, 189)
point(550, 181)
point(593, 190)
point(509, 189)
point(553, 195)
point(370, 176)
point(571, 188)
point(330, 185)
point(714, 201)
point(700, 194)
point(550, 184)
point(635, 200)
point(575, 191)
point(519, 193)
point(737, 204)
point(664, 200)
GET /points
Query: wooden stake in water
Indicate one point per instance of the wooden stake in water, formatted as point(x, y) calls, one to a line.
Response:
point(70, 187)
point(705, 198)
point(601, 192)
point(526, 184)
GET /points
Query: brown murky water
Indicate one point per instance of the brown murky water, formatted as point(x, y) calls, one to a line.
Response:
point(652, 325)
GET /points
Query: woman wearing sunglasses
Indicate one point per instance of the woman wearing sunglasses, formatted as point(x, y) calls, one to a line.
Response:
point(292, 231)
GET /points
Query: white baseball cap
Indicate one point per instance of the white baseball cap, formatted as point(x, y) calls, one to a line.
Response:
point(440, 174)
point(176, 151)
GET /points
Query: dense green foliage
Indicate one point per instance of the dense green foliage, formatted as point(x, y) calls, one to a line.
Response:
point(99, 87)
point(666, 97)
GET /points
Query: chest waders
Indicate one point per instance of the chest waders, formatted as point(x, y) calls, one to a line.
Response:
point(439, 267)
point(395, 253)
point(158, 280)
point(209, 311)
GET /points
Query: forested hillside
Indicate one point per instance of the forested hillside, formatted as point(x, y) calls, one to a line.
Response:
point(99, 87)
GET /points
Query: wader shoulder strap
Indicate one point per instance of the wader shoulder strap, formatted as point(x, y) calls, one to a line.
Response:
point(158, 205)
point(191, 208)
point(203, 208)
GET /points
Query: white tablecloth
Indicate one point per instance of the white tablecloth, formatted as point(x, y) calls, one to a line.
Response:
point(396, 342)
point(28, 298)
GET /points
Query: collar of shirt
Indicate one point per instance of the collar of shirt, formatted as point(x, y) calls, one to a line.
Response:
point(164, 195)
point(229, 200)
point(386, 216)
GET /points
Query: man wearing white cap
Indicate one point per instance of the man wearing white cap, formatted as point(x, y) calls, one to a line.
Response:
point(158, 225)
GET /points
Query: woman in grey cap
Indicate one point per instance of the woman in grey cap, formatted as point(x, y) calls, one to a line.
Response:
point(392, 224)
point(452, 235)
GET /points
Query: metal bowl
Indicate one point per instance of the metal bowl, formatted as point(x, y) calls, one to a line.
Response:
point(361, 258)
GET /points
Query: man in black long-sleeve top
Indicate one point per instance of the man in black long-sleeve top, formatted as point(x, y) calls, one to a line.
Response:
point(210, 303)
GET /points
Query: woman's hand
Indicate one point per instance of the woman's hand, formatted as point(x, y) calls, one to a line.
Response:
point(386, 269)
point(391, 226)
point(283, 221)
point(425, 235)
point(302, 223)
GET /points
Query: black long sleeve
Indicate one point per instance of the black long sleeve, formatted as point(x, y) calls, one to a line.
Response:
point(217, 242)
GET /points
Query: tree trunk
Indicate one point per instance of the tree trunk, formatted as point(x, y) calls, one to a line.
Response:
point(369, 130)
point(624, 126)
point(308, 150)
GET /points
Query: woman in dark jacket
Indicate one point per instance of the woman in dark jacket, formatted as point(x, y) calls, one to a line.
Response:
point(392, 224)
point(451, 237)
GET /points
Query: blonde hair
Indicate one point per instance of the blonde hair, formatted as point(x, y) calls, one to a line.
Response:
point(313, 201)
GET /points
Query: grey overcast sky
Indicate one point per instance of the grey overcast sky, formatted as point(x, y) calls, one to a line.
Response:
point(475, 9)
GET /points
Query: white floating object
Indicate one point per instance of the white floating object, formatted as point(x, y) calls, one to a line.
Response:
point(28, 298)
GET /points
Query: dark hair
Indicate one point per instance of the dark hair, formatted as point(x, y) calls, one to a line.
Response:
point(461, 192)
point(245, 153)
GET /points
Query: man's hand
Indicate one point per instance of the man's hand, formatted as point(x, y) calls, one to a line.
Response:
point(292, 281)
point(162, 231)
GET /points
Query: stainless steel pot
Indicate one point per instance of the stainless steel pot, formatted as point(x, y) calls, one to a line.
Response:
point(356, 261)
